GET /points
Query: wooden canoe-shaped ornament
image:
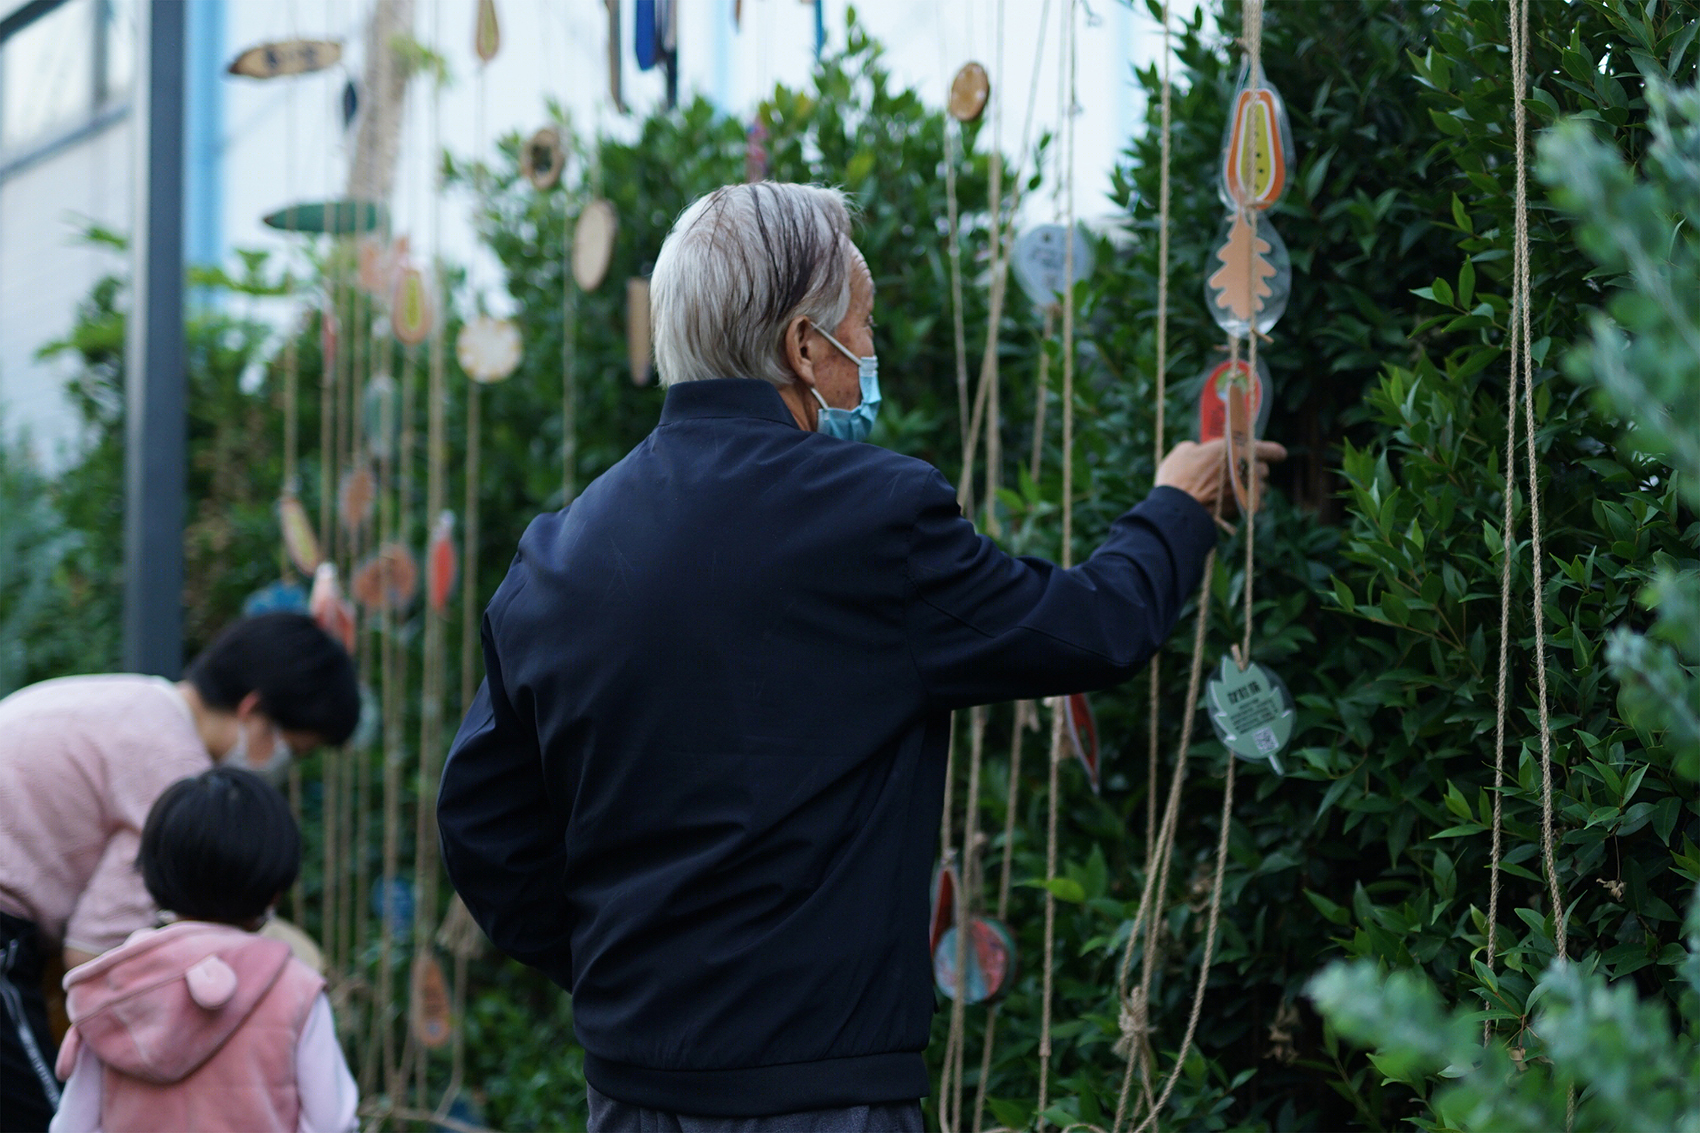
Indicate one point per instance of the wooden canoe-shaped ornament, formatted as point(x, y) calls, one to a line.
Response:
point(354, 497)
point(346, 217)
point(755, 152)
point(386, 581)
point(1213, 400)
point(968, 93)
point(1257, 150)
point(1242, 460)
point(440, 563)
point(637, 329)
point(944, 902)
point(488, 349)
point(1082, 734)
point(593, 244)
point(410, 307)
point(287, 57)
point(298, 538)
point(487, 36)
point(428, 1003)
point(543, 158)
point(991, 961)
point(333, 612)
point(1253, 277)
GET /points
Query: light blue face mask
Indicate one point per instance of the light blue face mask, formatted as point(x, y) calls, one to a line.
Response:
point(852, 424)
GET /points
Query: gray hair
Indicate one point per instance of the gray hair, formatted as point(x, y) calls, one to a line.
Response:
point(738, 266)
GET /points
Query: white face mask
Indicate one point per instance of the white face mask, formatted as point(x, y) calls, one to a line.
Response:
point(276, 767)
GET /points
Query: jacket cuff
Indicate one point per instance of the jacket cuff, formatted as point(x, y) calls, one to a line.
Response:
point(1186, 525)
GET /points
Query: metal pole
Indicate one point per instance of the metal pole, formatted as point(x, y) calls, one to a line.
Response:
point(156, 424)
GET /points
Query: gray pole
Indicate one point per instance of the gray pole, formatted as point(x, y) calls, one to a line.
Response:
point(156, 416)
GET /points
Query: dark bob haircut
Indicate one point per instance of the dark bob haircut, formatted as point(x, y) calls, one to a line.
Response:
point(304, 677)
point(219, 847)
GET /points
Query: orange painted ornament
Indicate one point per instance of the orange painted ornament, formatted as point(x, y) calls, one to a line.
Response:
point(441, 563)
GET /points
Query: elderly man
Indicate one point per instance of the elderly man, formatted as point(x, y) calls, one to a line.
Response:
point(699, 786)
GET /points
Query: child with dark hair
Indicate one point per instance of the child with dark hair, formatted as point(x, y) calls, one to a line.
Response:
point(81, 761)
point(202, 1024)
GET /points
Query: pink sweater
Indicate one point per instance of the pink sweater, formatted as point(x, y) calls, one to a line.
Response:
point(81, 761)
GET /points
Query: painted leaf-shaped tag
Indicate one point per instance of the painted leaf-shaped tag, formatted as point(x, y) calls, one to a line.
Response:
point(487, 38)
point(1213, 405)
point(968, 93)
point(1257, 150)
point(410, 307)
point(441, 564)
point(755, 152)
point(286, 57)
point(1254, 276)
point(379, 416)
point(298, 537)
point(355, 496)
point(387, 580)
point(488, 349)
point(428, 1006)
point(1251, 711)
point(991, 963)
point(543, 158)
point(1082, 734)
point(944, 901)
point(637, 329)
point(333, 612)
point(593, 244)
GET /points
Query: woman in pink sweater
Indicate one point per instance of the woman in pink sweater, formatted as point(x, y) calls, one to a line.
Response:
point(202, 1025)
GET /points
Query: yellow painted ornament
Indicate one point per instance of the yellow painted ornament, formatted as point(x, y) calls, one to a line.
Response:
point(410, 307)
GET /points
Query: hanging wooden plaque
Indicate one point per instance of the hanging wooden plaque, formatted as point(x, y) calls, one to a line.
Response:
point(488, 349)
point(968, 93)
point(428, 1007)
point(287, 57)
point(593, 244)
point(386, 581)
point(637, 329)
point(543, 158)
point(1251, 712)
point(410, 307)
point(487, 36)
point(298, 537)
point(355, 496)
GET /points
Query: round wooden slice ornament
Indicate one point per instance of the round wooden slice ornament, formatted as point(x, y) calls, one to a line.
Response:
point(991, 961)
point(298, 538)
point(968, 93)
point(543, 158)
point(488, 349)
point(593, 244)
point(410, 307)
point(428, 1006)
point(1251, 712)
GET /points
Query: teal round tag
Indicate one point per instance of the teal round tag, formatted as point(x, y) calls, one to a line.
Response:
point(1252, 712)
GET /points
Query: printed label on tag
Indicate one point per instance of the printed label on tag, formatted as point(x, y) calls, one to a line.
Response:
point(1251, 711)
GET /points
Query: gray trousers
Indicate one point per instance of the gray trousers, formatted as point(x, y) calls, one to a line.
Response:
point(610, 1116)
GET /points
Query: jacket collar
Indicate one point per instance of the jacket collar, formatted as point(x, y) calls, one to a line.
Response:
point(725, 397)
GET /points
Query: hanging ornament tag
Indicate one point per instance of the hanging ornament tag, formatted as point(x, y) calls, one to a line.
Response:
point(378, 261)
point(991, 961)
point(944, 901)
point(1041, 261)
point(1253, 276)
point(1213, 402)
point(1082, 734)
point(302, 946)
point(286, 57)
point(387, 580)
point(488, 349)
point(333, 612)
point(410, 307)
point(392, 901)
point(755, 152)
point(1257, 150)
point(378, 416)
point(354, 498)
point(279, 596)
point(543, 158)
point(637, 329)
point(1251, 711)
point(968, 93)
point(298, 537)
point(593, 244)
point(440, 562)
point(428, 1006)
point(487, 36)
point(346, 217)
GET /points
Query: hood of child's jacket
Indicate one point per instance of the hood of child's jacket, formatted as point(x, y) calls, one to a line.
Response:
point(164, 1002)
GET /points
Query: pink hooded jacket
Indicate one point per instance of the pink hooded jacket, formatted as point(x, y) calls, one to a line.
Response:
point(195, 1026)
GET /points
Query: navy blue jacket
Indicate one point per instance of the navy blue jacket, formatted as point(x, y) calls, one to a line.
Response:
point(700, 785)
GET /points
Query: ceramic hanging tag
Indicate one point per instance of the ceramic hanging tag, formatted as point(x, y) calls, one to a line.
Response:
point(487, 36)
point(755, 152)
point(441, 563)
point(354, 498)
point(991, 961)
point(1041, 262)
point(944, 901)
point(378, 416)
point(968, 93)
point(333, 612)
point(410, 307)
point(637, 329)
point(286, 57)
point(386, 581)
point(1082, 734)
point(488, 349)
point(1213, 403)
point(298, 537)
point(344, 217)
point(279, 596)
point(543, 158)
point(1253, 275)
point(1251, 711)
point(593, 244)
point(428, 1003)
point(1257, 147)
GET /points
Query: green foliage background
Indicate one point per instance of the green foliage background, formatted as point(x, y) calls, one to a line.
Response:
point(1378, 557)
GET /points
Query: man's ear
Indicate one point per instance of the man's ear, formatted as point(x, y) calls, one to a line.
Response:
point(797, 350)
point(248, 705)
